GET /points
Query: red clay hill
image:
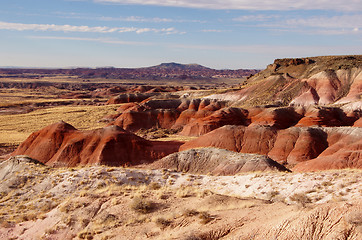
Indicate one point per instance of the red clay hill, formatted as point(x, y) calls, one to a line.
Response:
point(60, 144)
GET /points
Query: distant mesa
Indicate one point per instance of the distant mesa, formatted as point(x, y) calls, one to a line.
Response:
point(162, 71)
point(179, 66)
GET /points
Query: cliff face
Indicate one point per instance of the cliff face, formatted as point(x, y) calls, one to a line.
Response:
point(304, 81)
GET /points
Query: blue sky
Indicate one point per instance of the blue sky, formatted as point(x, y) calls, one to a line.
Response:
point(137, 33)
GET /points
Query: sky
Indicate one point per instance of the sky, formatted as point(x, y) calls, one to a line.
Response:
point(221, 34)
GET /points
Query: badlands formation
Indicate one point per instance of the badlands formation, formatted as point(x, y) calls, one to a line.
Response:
point(271, 114)
point(283, 149)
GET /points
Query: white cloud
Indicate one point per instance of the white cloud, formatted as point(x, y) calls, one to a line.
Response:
point(101, 40)
point(334, 22)
point(214, 31)
point(75, 15)
point(323, 25)
point(70, 28)
point(143, 19)
point(255, 18)
point(276, 51)
point(339, 5)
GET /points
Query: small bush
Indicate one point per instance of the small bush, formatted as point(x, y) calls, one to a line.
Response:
point(141, 205)
point(162, 222)
point(85, 235)
point(273, 194)
point(190, 213)
point(301, 198)
point(205, 217)
point(355, 218)
point(154, 186)
point(192, 237)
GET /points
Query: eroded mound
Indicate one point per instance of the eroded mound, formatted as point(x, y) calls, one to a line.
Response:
point(195, 117)
point(216, 161)
point(166, 113)
point(60, 144)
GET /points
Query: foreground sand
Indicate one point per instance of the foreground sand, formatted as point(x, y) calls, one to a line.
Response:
point(38, 202)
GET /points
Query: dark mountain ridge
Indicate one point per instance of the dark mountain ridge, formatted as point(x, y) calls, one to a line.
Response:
point(162, 71)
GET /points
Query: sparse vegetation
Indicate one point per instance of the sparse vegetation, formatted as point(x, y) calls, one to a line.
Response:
point(162, 222)
point(205, 217)
point(300, 198)
point(154, 186)
point(355, 218)
point(142, 205)
point(16, 130)
point(190, 212)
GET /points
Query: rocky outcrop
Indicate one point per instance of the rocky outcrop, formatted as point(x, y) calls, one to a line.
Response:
point(344, 151)
point(165, 113)
point(130, 97)
point(154, 113)
point(303, 82)
point(275, 117)
point(195, 117)
point(60, 144)
point(327, 117)
point(296, 145)
point(254, 139)
point(308, 148)
point(216, 161)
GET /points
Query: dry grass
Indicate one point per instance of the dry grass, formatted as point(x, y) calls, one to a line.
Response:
point(176, 138)
point(300, 198)
point(15, 129)
point(355, 218)
point(16, 97)
point(162, 222)
point(205, 217)
point(142, 205)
